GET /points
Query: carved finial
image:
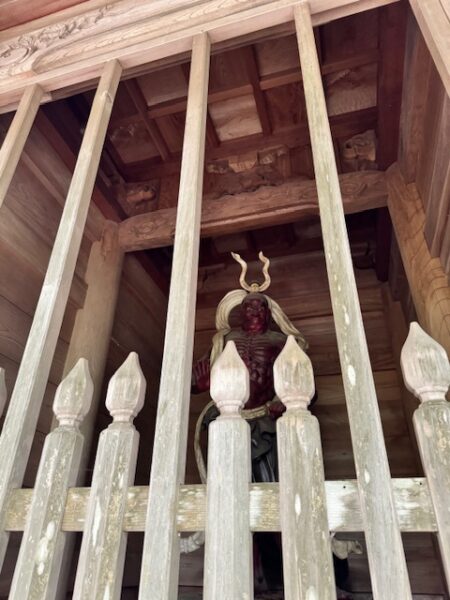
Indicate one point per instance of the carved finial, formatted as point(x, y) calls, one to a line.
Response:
point(126, 390)
point(3, 393)
point(293, 376)
point(74, 394)
point(230, 382)
point(425, 366)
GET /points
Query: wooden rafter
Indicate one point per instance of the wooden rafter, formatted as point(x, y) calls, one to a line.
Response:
point(138, 99)
point(258, 94)
point(137, 34)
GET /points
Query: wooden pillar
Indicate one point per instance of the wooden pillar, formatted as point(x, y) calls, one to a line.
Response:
point(384, 545)
point(228, 542)
point(427, 281)
point(90, 339)
point(159, 574)
point(23, 411)
point(427, 375)
point(91, 334)
point(17, 136)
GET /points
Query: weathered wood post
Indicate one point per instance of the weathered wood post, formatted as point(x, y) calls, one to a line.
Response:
point(41, 552)
point(426, 371)
point(307, 558)
point(3, 391)
point(17, 136)
point(159, 574)
point(102, 553)
point(228, 544)
point(386, 556)
point(26, 399)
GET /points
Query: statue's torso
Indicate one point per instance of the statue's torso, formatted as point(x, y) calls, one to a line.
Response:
point(258, 351)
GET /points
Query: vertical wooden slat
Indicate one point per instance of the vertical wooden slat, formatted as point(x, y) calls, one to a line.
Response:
point(91, 336)
point(26, 399)
point(17, 136)
point(159, 575)
point(3, 391)
point(41, 552)
point(228, 544)
point(102, 553)
point(426, 371)
point(385, 551)
point(307, 560)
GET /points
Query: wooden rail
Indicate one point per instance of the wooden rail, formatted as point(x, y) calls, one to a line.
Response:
point(411, 495)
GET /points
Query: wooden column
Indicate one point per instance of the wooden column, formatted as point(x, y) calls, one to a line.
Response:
point(228, 543)
point(91, 334)
point(384, 545)
point(90, 339)
point(3, 391)
point(102, 552)
point(159, 575)
point(17, 136)
point(42, 549)
point(427, 375)
point(433, 17)
point(26, 399)
point(427, 280)
point(307, 559)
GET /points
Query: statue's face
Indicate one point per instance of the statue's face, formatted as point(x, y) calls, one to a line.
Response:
point(255, 314)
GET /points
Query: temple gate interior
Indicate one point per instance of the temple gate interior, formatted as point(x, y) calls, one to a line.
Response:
point(258, 165)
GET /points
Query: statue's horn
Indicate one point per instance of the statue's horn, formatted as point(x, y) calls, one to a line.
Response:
point(254, 287)
point(266, 264)
point(243, 264)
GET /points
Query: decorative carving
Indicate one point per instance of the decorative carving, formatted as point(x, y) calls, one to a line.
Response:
point(24, 47)
point(359, 152)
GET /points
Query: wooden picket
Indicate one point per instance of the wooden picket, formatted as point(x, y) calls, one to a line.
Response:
point(426, 371)
point(41, 553)
point(303, 507)
point(102, 554)
point(228, 546)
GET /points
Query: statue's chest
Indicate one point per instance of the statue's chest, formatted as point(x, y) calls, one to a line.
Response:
point(256, 350)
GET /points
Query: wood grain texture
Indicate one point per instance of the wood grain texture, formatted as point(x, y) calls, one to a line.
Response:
point(17, 136)
point(159, 575)
point(269, 205)
point(411, 495)
point(228, 543)
point(102, 552)
point(41, 553)
point(388, 568)
point(426, 370)
point(433, 17)
point(26, 399)
point(426, 277)
point(71, 48)
point(303, 510)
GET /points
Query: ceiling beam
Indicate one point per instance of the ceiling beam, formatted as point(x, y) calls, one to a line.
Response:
point(135, 92)
point(70, 48)
point(258, 94)
point(267, 206)
point(342, 126)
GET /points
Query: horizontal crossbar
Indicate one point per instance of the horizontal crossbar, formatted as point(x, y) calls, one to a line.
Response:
point(412, 500)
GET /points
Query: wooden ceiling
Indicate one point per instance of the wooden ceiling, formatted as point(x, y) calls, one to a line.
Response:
point(257, 132)
point(17, 12)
